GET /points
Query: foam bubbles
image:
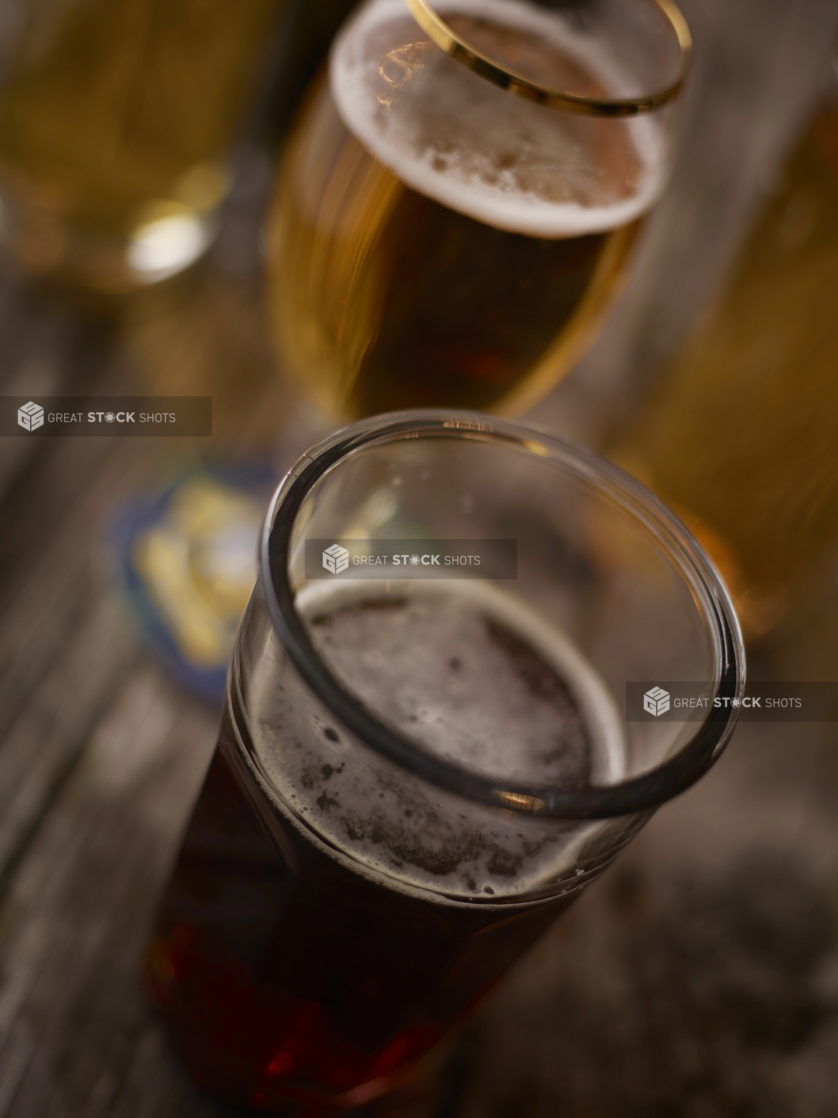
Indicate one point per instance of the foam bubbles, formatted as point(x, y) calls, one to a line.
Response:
point(460, 140)
point(477, 679)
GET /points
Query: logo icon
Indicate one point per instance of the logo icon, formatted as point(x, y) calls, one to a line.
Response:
point(656, 701)
point(335, 559)
point(30, 416)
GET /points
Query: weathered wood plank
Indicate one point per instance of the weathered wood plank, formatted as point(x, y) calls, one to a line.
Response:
point(42, 745)
point(77, 917)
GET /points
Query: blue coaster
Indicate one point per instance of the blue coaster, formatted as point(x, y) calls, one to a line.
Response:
point(186, 565)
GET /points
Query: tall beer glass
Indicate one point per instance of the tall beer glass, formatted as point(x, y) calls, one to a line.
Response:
point(460, 195)
point(116, 122)
point(416, 775)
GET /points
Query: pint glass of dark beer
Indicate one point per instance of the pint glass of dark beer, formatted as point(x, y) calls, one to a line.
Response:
point(425, 753)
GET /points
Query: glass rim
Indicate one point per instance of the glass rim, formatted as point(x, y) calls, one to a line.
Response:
point(455, 45)
point(640, 793)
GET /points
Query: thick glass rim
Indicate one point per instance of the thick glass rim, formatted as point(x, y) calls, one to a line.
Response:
point(447, 39)
point(638, 794)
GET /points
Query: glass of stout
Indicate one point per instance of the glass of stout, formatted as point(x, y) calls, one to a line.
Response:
point(460, 194)
point(416, 776)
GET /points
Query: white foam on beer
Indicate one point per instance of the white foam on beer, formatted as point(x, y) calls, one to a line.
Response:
point(461, 141)
point(478, 714)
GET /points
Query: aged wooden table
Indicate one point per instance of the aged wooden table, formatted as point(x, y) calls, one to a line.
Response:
point(699, 977)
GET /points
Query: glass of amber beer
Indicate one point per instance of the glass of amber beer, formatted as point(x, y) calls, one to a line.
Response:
point(416, 775)
point(461, 192)
point(117, 119)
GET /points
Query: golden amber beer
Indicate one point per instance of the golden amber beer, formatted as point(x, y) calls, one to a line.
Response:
point(741, 433)
point(434, 239)
point(116, 123)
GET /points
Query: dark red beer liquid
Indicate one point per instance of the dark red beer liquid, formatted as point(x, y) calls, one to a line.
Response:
point(297, 985)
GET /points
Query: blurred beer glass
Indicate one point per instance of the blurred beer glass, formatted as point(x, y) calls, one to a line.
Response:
point(741, 435)
point(116, 122)
point(460, 194)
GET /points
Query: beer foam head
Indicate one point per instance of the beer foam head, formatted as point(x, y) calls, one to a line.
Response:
point(460, 140)
point(474, 678)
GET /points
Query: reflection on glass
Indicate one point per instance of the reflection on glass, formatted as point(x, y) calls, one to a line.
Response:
point(415, 777)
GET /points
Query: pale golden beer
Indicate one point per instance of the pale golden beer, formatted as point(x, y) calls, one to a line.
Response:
point(741, 434)
point(116, 122)
point(435, 240)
